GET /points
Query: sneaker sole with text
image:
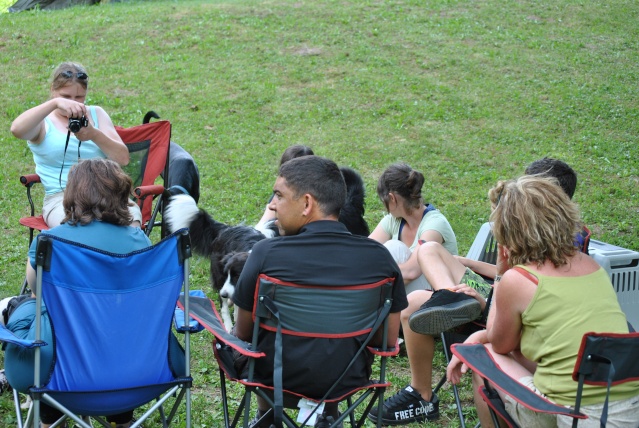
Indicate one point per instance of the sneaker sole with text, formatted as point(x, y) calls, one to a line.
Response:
point(394, 422)
point(438, 319)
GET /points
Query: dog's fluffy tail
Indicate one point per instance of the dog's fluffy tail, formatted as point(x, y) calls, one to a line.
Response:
point(268, 229)
point(182, 211)
point(352, 214)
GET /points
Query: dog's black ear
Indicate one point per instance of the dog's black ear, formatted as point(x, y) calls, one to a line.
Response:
point(224, 261)
point(235, 258)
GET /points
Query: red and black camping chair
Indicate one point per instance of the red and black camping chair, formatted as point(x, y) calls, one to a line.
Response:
point(148, 146)
point(604, 359)
point(289, 319)
point(484, 249)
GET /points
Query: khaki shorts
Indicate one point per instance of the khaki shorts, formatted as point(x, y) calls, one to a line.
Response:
point(621, 414)
point(400, 253)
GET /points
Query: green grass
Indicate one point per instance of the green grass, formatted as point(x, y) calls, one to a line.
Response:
point(466, 92)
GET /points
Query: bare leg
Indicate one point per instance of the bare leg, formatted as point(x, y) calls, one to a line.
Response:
point(419, 348)
point(483, 413)
point(441, 269)
point(511, 366)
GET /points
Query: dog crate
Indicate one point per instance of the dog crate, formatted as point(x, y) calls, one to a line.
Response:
point(622, 265)
point(484, 246)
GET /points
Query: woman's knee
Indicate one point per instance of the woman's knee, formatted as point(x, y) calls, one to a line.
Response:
point(429, 251)
point(415, 300)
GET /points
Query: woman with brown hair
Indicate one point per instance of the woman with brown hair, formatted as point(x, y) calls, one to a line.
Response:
point(96, 205)
point(411, 222)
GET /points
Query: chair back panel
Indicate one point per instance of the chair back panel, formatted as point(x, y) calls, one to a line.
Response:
point(319, 350)
point(599, 350)
point(110, 315)
point(148, 146)
point(322, 311)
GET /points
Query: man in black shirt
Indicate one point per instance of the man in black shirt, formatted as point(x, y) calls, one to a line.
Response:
point(314, 248)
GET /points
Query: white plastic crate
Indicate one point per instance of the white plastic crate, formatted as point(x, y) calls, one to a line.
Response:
point(622, 265)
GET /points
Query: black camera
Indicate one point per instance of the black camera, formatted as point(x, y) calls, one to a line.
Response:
point(76, 124)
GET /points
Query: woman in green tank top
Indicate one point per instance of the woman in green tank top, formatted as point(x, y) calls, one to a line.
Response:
point(548, 298)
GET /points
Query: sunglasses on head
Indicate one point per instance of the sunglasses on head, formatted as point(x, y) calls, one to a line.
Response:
point(70, 74)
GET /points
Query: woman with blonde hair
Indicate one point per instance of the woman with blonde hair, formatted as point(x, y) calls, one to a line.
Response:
point(62, 130)
point(550, 294)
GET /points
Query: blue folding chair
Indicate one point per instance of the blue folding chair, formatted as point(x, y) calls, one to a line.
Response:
point(111, 316)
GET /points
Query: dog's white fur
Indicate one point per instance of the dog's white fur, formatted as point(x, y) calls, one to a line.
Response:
point(226, 295)
point(266, 231)
point(182, 210)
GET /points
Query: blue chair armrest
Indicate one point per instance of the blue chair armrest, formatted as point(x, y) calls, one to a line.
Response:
point(8, 336)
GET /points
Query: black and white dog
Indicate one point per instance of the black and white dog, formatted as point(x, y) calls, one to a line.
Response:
point(228, 246)
point(216, 240)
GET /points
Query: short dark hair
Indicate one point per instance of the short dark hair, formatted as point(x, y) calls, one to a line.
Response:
point(97, 189)
point(319, 177)
point(403, 180)
point(560, 170)
point(295, 151)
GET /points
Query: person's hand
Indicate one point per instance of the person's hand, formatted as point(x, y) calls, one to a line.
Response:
point(86, 133)
point(455, 370)
point(70, 108)
point(463, 288)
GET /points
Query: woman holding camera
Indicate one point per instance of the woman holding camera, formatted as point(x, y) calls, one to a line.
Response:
point(63, 130)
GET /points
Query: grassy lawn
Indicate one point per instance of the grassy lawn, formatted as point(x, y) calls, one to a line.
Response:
point(468, 92)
